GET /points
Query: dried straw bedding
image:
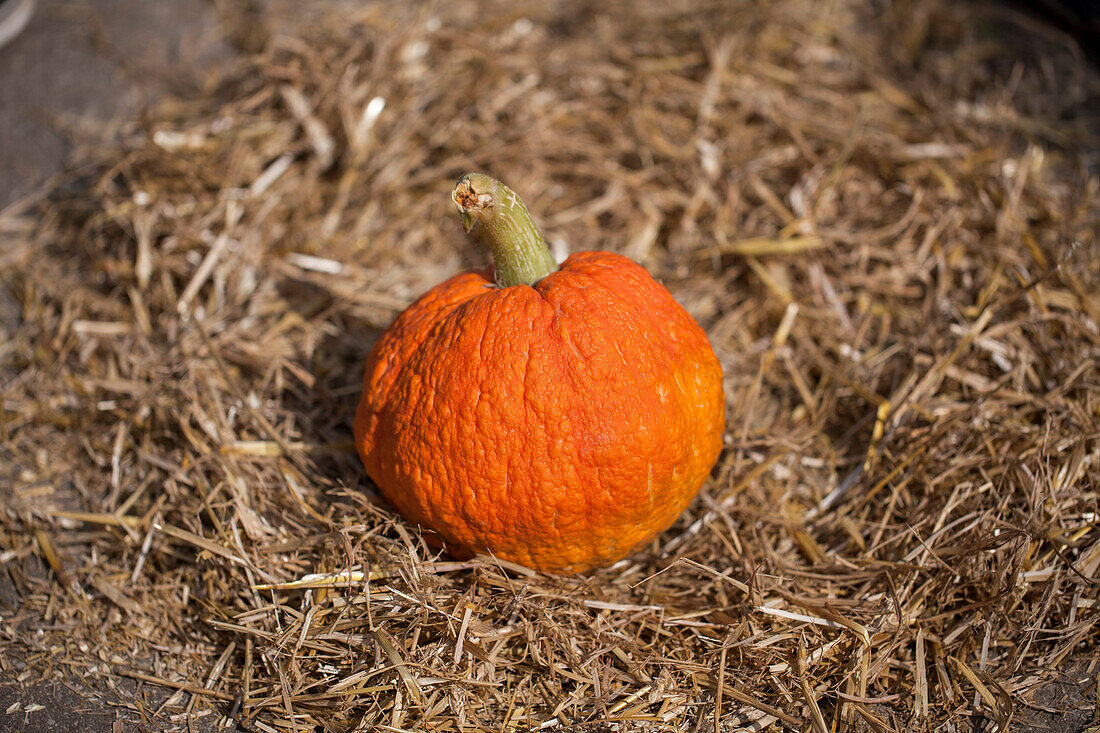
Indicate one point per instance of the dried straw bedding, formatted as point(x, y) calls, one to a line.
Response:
point(884, 216)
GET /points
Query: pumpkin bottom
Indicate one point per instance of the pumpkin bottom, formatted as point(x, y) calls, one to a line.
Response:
point(539, 525)
point(556, 560)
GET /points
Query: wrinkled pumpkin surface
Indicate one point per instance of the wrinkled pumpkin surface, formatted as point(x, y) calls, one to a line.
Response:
point(559, 426)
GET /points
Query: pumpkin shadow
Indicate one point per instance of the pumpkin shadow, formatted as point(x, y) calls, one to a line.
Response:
point(324, 408)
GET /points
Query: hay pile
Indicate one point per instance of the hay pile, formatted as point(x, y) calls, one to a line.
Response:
point(883, 216)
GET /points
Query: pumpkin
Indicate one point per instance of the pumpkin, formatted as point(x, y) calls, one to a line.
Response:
point(555, 417)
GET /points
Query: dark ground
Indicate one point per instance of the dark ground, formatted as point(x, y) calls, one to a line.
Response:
point(64, 710)
point(81, 69)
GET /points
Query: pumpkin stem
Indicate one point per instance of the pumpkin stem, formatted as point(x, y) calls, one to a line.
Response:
point(520, 255)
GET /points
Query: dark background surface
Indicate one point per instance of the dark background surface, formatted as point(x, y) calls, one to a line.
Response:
point(82, 69)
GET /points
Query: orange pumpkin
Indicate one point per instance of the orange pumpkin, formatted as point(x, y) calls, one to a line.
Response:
point(555, 417)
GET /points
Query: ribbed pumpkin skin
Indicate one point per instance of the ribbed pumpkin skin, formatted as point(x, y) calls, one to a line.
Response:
point(558, 426)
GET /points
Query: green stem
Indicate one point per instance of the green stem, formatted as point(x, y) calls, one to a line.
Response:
point(520, 255)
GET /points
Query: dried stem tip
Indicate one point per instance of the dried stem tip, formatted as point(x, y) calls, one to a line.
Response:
point(520, 255)
point(473, 205)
